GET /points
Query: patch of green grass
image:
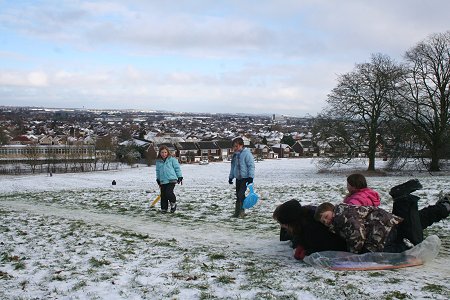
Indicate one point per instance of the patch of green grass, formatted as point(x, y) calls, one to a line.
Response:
point(128, 241)
point(259, 275)
point(206, 267)
point(314, 278)
point(201, 286)
point(79, 285)
point(434, 288)
point(217, 256)
point(20, 265)
point(6, 257)
point(330, 281)
point(58, 277)
point(135, 235)
point(396, 295)
point(4, 275)
point(214, 207)
point(21, 232)
point(105, 276)
point(225, 279)
point(187, 264)
point(182, 216)
point(206, 295)
point(94, 262)
point(168, 243)
point(393, 280)
point(351, 289)
point(251, 269)
point(75, 225)
point(375, 274)
point(269, 296)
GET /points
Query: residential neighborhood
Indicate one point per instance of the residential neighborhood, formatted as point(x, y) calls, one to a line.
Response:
point(93, 139)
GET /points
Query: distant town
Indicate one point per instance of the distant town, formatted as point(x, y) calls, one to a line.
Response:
point(69, 140)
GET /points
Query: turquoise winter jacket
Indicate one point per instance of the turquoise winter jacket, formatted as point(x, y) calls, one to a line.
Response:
point(168, 170)
point(242, 165)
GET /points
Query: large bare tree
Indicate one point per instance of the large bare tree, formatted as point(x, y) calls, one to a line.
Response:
point(424, 93)
point(362, 97)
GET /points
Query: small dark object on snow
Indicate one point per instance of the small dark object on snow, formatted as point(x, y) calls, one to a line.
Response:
point(113, 182)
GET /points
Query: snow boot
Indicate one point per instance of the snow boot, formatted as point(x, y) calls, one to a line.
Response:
point(173, 207)
point(238, 209)
point(405, 188)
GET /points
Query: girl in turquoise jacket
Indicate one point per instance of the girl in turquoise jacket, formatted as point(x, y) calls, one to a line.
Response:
point(168, 172)
point(243, 169)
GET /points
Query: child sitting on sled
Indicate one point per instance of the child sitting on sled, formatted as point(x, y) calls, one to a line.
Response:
point(359, 193)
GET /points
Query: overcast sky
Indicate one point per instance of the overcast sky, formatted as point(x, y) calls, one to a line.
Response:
point(243, 56)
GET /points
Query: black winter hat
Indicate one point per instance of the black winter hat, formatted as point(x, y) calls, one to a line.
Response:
point(288, 212)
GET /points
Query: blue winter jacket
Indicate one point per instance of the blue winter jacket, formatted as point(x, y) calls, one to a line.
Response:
point(168, 170)
point(242, 165)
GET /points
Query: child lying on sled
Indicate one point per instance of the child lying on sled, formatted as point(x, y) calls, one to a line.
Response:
point(372, 229)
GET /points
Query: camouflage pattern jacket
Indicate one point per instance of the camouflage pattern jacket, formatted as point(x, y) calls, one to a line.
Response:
point(365, 228)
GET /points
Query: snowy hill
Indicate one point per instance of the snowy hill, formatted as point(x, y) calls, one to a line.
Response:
point(76, 236)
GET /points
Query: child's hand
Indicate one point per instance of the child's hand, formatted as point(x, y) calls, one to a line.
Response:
point(299, 253)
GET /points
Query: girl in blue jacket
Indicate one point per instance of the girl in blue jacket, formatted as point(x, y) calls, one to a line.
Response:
point(243, 169)
point(168, 172)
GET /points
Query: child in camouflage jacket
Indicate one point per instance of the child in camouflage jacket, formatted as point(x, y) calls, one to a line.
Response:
point(365, 228)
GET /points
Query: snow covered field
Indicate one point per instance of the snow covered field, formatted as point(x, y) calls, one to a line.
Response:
point(75, 236)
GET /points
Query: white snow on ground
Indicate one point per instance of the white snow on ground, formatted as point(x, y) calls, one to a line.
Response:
point(75, 236)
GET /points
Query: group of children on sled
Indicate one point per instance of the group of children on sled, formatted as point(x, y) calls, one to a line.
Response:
point(359, 225)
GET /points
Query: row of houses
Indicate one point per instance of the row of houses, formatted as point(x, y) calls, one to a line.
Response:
point(191, 152)
point(51, 140)
point(185, 151)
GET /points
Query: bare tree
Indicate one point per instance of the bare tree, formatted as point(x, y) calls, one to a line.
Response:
point(4, 139)
point(107, 146)
point(340, 135)
point(400, 145)
point(361, 98)
point(151, 155)
point(31, 152)
point(51, 158)
point(423, 95)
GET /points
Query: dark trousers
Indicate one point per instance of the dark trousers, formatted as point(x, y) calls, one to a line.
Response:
point(411, 227)
point(415, 221)
point(431, 214)
point(241, 187)
point(167, 195)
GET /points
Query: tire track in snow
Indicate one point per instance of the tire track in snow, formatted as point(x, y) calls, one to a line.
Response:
point(204, 235)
